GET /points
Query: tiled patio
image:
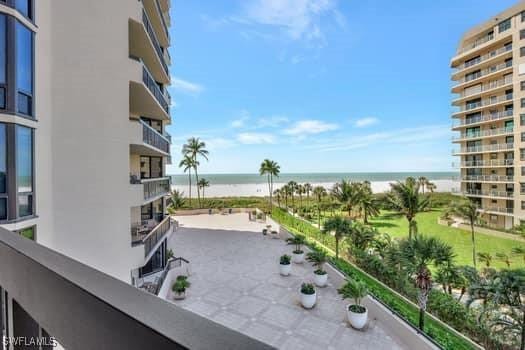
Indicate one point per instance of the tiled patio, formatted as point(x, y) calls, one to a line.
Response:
point(235, 281)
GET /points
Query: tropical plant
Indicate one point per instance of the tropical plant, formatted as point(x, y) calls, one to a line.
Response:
point(297, 241)
point(422, 183)
point(485, 258)
point(285, 259)
point(277, 193)
point(451, 277)
point(270, 168)
point(307, 288)
point(307, 189)
point(292, 189)
point(202, 184)
point(519, 251)
point(194, 148)
point(418, 253)
point(405, 198)
point(318, 258)
point(340, 228)
point(355, 290)
point(505, 258)
point(347, 194)
point(469, 211)
point(319, 192)
point(176, 199)
point(181, 284)
point(187, 163)
point(368, 204)
point(362, 236)
point(169, 254)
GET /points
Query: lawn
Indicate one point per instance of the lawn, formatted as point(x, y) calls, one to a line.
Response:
point(397, 226)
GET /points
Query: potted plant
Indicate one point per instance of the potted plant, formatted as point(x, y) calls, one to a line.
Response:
point(179, 287)
point(308, 295)
point(274, 234)
point(298, 253)
point(169, 254)
point(284, 265)
point(357, 314)
point(318, 259)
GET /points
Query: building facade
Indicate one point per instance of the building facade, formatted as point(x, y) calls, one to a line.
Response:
point(489, 116)
point(83, 145)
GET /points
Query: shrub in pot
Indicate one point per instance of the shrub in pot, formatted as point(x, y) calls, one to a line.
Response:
point(179, 287)
point(308, 295)
point(285, 267)
point(318, 259)
point(275, 234)
point(298, 253)
point(356, 313)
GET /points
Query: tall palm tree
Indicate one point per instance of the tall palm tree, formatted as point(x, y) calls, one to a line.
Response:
point(278, 193)
point(194, 148)
point(292, 188)
point(422, 182)
point(286, 191)
point(202, 184)
point(187, 163)
point(307, 189)
point(340, 227)
point(467, 210)
point(319, 192)
point(300, 191)
point(362, 236)
point(347, 193)
point(405, 198)
point(270, 169)
point(418, 253)
point(368, 205)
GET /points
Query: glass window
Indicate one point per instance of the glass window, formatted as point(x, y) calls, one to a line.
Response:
point(24, 159)
point(24, 7)
point(3, 159)
point(24, 68)
point(522, 51)
point(522, 34)
point(25, 205)
point(3, 208)
point(503, 26)
point(522, 103)
point(3, 49)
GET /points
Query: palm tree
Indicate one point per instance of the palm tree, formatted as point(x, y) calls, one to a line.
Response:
point(202, 184)
point(368, 205)
point(188, 163)
point(278, 193)
point(418, 253)
point(175, 200)
point(300, 191)
point(422, 182)
point(485, 258)
point(405, 198)
point(347, 193)
point(318, 258)
point(504, 258)
point(286, 191)
point(319, 192)
point(469, 211)
point(307, 189)
point(362, 236)
point(270, 169)
point(340, 227)
point(292, 187)
point(195, 148)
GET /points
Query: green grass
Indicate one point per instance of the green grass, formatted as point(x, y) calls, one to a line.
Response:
point(460, 240)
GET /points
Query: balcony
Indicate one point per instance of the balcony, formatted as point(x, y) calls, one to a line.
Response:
point(105, 309)
point(487, 178)
point(484, 42)
point(146, 97)
point(499, 68)
point(149, 189)
point(491, 86)
point(147, 141)
point(151, 234)
point(484, 118)
point(157, 21)
point(494, 54)
point(489, 194)
point(497, 210)
point(483, 133)
point(478, 42)
point(492, 163)
point(488, 102)
point(499, 147)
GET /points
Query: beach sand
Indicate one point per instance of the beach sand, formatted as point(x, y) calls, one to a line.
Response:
point(261, 189)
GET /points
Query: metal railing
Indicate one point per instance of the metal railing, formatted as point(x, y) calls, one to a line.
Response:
point(483, 73)
point(154, 88)
point(486, 148)
point(485, 117)
point(483, 58)
point(484, 103)
point(156, 235)
point(488, 178)
point(154, 40)
point(485, 87)
point(476, 43)
point(485, 163)
point(492, 193)
point(153, 138)
point(161, 14)
point(484, 133)
point(170, 265)
point(497, 210)
point(156, 187)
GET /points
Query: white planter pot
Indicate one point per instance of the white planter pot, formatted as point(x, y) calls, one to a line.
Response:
point(179, 296)
point(308, 300)
point(285, 269)
point(320, 280)
point(357, 320)
point(298, 258)
point(274, 234)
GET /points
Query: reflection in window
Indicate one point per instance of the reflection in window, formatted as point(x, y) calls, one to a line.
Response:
point(3, 49)
point(24, 68)
point(25, 205)
point(24, 7)
point(3, 159)
point(3, 208)
point(24, 159)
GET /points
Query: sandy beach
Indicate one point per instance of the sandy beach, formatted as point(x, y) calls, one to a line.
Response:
point(261, 189)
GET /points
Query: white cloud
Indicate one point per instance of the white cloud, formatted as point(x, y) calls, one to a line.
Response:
point(216, 143)
point(300, 19)
point(255, 138)
point(310, 127)
point(361, 123)
point(185, 86)
point(272, 121)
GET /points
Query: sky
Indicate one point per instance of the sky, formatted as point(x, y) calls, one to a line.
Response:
point(317, 85)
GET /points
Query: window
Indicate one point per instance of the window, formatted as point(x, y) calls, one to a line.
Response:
point(24, 69)
point(25, 7)
point(522, 153)
point(522, 119)
point(3, 67)
point(523, 171)
point(24, 170)
point(523, 16)
point(523, 103)
point(522, 85)
point(503, 26)
point(522, 187)
point(522, 51)
point(523, 137)
point(522, 34)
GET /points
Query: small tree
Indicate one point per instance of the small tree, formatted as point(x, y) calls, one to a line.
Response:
point(356, 291)
point(469, 211)
point(318, 258)
point(485, 258)
point(297, 241)
point(340, 227)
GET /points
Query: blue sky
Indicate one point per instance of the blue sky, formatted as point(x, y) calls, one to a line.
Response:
point(317, 85)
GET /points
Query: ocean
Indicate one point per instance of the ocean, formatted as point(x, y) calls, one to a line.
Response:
point(255, 185)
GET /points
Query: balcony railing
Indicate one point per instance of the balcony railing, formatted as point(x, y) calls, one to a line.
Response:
point(479, 193)
point(485, 117)
point(110, 314)
point(486, 87)
point(154, 88)
point(485, 163)
point(483, 73)
point(155, 139)
point(154, 40)
point(484, 58)
point(497, 210)
point(475, 44)
point(164, 25)
point(486, 148)
point(484, 133)
point(484, 103)
point(488, 178)
point(156, 187)
point(156, 235)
